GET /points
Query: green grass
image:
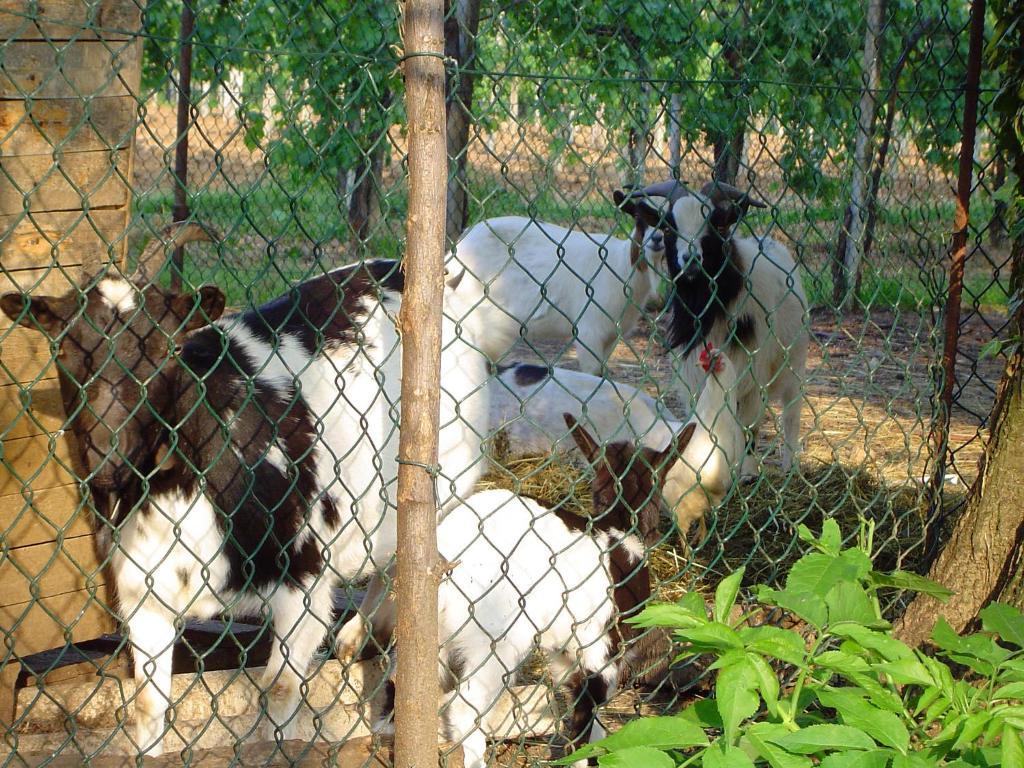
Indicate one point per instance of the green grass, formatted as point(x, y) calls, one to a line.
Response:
point(275, 235)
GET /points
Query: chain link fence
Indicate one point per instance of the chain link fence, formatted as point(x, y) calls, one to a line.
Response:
point(840, 123)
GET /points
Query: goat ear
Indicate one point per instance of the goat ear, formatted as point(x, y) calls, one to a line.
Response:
point(200, 308)
point(587, 445)
point(453, 282)
point(637, 208)
point(675, 448)
point(49, 313)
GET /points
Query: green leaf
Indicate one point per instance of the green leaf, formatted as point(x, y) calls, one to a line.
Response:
point(720, 755)
point(889, 648)
point(736, 697)
point(759, 736)
point(817, 573)
point(824, 738)
point(1009, 691)
point(973, 727)
point(831, 538)
point(636, 757)
point(912, 760)
point(656, 732)
point(782, 644)
point(944, 637)
point(725, 595)
point(1006, 621)
point(842, 662)
point(666, 732)
point(849, 601)
point(667, 615)
point(711, 636)
point(767, 683)
point(875, 758)
point(887, 728)
point(1011, 749)
point(906, 672)
point(704, 713)
point(911, 581)
point(935, 710)
point(808, 606)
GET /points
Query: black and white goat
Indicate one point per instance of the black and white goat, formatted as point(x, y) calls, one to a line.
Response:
point(245, 465)
point(543, 282)
point(743, 295)
point(526, 402)
point(525, 576)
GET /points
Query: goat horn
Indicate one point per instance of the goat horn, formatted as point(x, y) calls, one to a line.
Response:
point(720, 192)
point(174, 236)
point(673, 189)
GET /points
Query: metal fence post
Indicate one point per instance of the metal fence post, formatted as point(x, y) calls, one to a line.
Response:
point(417, 688)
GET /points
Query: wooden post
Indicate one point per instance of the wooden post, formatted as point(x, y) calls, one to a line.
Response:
point(417, 689)
point(68, 103)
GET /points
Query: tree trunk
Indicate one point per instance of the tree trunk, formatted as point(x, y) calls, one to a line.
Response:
point(460, 29)
point(982, 559)
point(848, 260)
point(729, 154)
point(675, 138)
point(728, 146)
point(909, 44)
point(418, 562)
point(997, 224)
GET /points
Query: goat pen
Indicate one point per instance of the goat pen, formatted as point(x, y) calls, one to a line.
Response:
point(306, 152)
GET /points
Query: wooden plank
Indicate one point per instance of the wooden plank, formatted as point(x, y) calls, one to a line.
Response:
point(8, 696)
point(49, 281)
point(38, 519)
point(24, 356)
point(74, 181)
point(43, 570)
point(74, 70)
point(67, 125)
point(68, 238)
point(64, 19)
point(42, 624)
point(27, 411)
point(34, 461)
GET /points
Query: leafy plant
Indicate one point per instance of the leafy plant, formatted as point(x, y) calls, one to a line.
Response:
point(856, 697)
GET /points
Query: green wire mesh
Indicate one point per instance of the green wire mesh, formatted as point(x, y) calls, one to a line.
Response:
point(296, 139)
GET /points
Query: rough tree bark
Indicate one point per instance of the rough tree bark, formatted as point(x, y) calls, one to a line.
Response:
point(417, 690)
point(847, 262)
point(982, 559)
point(460, 29)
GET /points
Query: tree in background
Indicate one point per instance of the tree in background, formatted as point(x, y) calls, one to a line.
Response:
point(983, 558)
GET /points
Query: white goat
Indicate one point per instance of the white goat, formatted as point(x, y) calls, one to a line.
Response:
point(543, 282)
point(742, 295)
point(710, 463)
point(526, 403)
point(525, 576)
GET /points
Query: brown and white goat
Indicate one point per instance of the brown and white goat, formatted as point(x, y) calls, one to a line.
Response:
point(526, 576)
point(742, 295)
point(247, 464)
